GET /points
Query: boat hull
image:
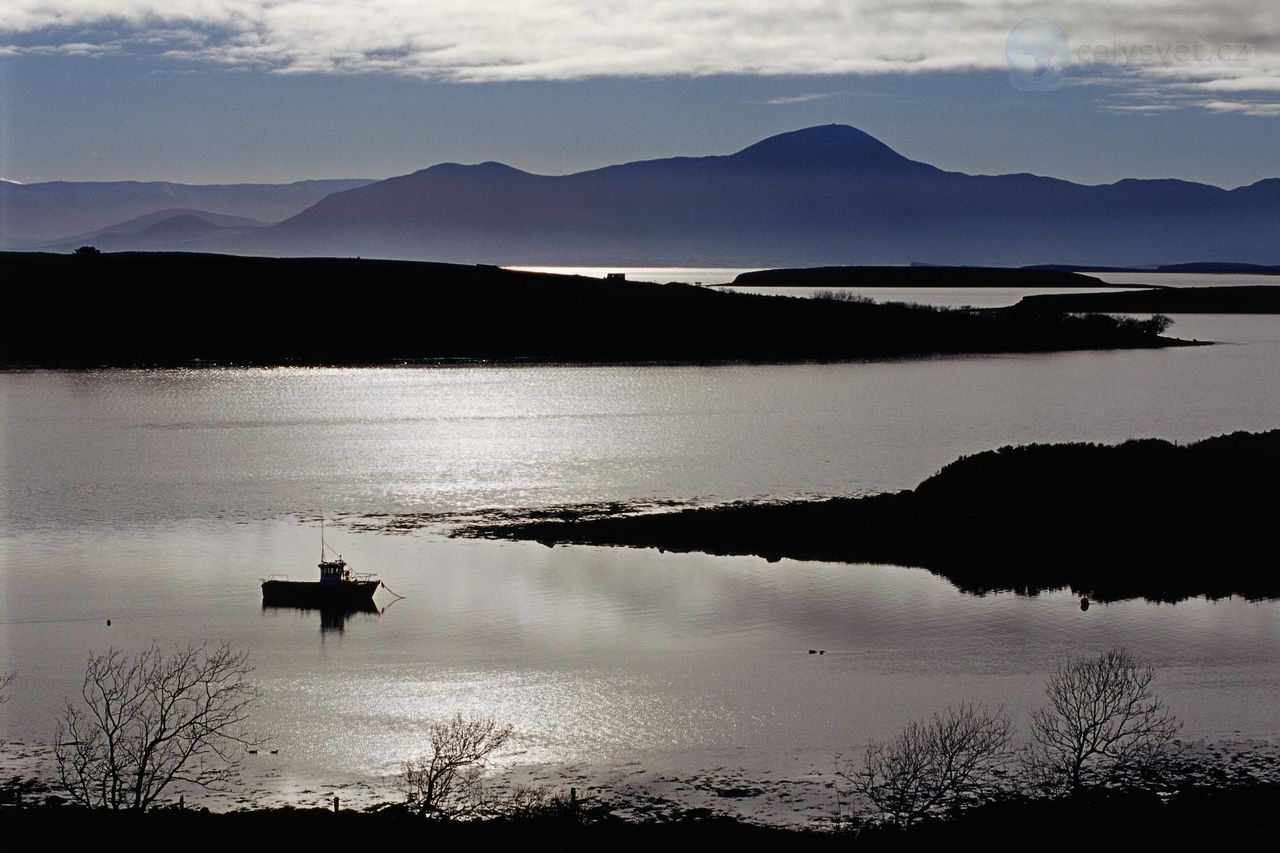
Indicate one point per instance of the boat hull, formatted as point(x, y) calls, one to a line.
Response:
point(317, 595)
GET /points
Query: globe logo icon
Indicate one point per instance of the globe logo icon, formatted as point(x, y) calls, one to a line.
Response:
point(1036, 50)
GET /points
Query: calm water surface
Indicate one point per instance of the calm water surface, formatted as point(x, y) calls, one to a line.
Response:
point(158, 499)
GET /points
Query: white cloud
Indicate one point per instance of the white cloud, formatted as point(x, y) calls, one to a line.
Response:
point(1238, 84)
point(1250, 108)
point(796, 99)
point(1223, 46)
point(1141, 108)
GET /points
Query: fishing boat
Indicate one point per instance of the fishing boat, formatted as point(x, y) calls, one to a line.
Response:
point(338, 586)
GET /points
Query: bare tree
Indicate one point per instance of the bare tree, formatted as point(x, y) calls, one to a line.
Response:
point(1103, 725)
point(152, 719)
point(841, 296)
point(958, 756)
point(446, 783)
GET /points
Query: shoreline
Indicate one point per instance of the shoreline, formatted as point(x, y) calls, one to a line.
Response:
point(765, 798)
point(261, 312)
point(1219, 793)
point(464, 363)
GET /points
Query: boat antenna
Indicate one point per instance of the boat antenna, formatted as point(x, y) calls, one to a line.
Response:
point(322, 534)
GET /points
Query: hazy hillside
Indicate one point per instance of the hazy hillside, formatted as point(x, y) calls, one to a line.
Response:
point(163, 229)
point(33, 214)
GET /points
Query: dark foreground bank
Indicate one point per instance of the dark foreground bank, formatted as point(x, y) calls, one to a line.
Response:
point(1147, 518)
point(1209, 816)
point(140, 309)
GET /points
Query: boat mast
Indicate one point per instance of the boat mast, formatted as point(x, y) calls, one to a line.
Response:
point(322, 534)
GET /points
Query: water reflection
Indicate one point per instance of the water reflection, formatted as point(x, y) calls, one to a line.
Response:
point(333, 619)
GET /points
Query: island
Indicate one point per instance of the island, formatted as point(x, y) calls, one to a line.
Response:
point(918, 275)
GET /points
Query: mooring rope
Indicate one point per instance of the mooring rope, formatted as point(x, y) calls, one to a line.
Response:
point(390, 590)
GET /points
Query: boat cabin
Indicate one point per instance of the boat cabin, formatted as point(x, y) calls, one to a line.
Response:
point(333, 572)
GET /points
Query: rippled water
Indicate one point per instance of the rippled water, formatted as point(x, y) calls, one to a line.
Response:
point(158, 499)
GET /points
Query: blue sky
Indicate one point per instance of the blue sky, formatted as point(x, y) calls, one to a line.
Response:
point(278, 90)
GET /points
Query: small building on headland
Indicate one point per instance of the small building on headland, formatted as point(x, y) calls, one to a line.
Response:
point(615, 276)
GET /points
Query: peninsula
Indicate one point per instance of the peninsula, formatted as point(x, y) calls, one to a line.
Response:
point(93, 309)
point(1147, 518)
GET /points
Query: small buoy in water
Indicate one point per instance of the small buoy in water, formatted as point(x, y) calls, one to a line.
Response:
point(108, 623)
point(1084, 602)
point(822, 651)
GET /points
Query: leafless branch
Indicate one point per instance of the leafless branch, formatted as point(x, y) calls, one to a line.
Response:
point(446, 783)
point(152, 719)
point(956, 757)
point(1103, 724)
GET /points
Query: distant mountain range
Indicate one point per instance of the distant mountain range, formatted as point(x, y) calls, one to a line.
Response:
point(823, 195)
point(61, 211)
point(159, 231)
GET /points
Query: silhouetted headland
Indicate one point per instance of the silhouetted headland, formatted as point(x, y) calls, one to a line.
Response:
point(916, 276)
point(1147, 518)
point(1221, 268)
point(1198, 268)
point(162, 309)
point(1228, 299)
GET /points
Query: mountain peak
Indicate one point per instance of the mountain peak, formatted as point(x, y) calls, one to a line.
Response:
point(823, 146)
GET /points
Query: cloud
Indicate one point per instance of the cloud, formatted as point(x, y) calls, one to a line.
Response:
point(1238, 84)
point(1249, 108)
point(1197, 46)
point(795, 99)
point(1141, 108)
point(74, 48)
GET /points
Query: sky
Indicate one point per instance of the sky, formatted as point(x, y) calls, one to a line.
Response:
point(208, 91)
